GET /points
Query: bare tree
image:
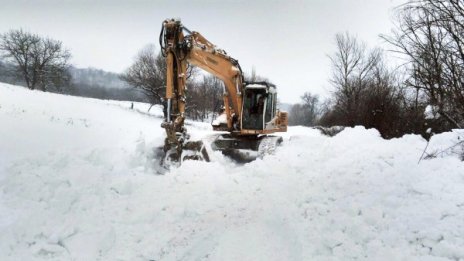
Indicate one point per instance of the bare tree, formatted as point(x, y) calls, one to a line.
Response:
point(352, 66)
point(148, 73)
point(215, 89)
point(205, 98)
point(430, 34)
point(368, 93)
point(307, 112)
point(41, 62)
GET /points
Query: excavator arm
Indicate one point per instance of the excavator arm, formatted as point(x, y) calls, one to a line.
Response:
point(193, 49)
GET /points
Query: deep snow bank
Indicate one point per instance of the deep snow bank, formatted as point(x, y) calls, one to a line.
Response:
point(77, 182)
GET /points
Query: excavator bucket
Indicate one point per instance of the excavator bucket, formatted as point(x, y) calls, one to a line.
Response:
point(177, 147)
point(190, 150)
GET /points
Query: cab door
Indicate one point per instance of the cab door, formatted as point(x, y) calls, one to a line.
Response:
point(254, 108)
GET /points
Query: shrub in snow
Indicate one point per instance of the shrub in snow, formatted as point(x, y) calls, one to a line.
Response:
point(439, 150)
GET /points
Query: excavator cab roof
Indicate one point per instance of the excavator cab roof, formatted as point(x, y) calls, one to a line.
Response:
point(261, 85)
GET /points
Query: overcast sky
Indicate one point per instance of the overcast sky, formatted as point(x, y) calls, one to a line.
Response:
point(286, 41)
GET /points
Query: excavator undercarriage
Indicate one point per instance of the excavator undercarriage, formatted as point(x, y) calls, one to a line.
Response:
point(242, 149)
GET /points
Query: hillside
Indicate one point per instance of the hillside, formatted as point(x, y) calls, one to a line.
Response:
point(85, 82)
point(79, 181)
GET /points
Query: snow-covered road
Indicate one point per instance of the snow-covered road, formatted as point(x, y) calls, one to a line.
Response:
point(78, 182)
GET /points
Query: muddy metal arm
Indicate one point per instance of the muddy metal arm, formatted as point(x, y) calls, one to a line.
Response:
point(193, 49)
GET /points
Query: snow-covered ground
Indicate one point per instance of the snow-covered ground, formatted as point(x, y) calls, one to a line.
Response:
point(78, 182)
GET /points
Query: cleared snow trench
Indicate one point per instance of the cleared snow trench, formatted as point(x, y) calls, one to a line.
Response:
point(78, 182)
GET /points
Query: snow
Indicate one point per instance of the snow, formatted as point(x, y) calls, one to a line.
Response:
point(221, 119)
point(78, 181)
point(431, 112)
point(256, 86)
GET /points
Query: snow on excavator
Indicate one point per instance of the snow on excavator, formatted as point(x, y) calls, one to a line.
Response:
point(250, 112)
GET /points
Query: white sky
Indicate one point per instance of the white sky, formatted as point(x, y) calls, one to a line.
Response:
point(286, 41)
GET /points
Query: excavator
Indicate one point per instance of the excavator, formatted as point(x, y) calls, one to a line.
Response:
point(249, 114)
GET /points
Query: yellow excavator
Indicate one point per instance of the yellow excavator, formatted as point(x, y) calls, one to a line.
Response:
point(250, 108)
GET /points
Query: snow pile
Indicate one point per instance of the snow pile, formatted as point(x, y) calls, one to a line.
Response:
point(431, 112)
point(78, 182)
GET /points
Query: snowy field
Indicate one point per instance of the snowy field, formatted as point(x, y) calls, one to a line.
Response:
point(78, 182)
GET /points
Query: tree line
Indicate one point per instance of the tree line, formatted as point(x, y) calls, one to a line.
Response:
point(148, 74)
point(39, 61)
point(429, 37)
point(42, 63)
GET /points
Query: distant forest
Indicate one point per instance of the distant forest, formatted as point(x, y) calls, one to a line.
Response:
point(87, 82)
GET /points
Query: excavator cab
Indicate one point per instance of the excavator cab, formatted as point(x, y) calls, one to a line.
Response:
point(259, 105)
